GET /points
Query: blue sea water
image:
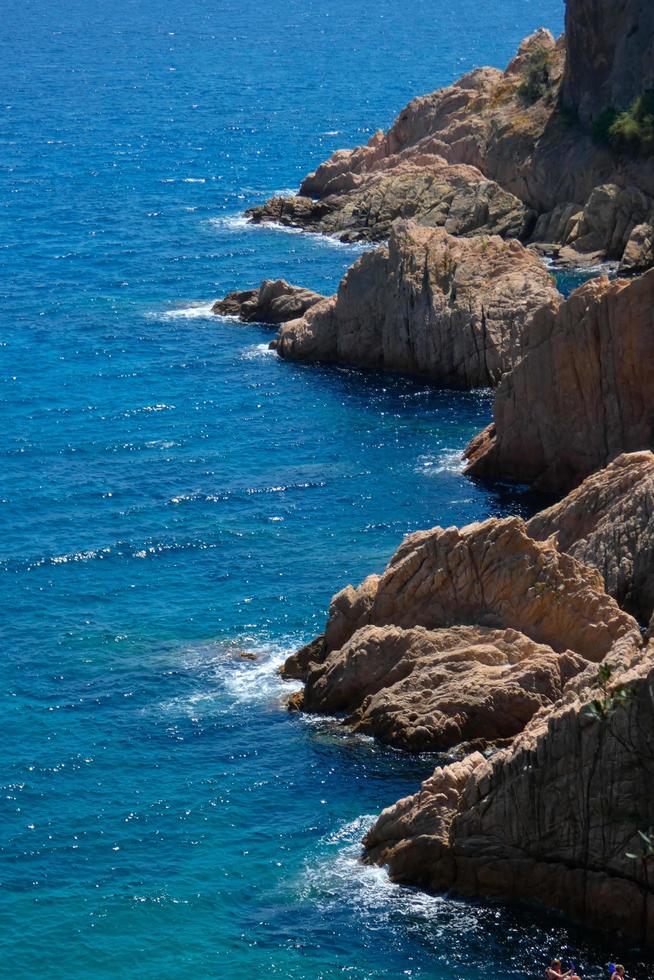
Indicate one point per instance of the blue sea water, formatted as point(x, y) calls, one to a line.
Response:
point(172, 495)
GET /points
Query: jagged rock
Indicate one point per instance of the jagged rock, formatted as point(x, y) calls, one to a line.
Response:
point(582, 393)
point(608, 523)
point(487, 574)
point(458, 198)
point(605, 226)
point(550, 820)
point(453, 310)
point(274, 301)
point(422, 690)
point(506, 622)
point(610, 54)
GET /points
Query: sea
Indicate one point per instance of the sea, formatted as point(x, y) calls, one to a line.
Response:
point(178, 505)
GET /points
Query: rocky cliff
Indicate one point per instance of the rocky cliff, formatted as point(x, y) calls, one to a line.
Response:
point(554, 819)
point(450, 309)
point(582, 393)
point(610, 55)
point(508, 152)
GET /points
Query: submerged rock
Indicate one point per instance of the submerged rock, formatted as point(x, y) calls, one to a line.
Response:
point(274, 301)
point(552, 820)
point(582, 393)
point(449, 309)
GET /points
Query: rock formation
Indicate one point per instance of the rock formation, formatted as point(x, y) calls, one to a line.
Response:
point(582, 393)
point(426, 690)
point(458, 198)
point(274, 301)
point(610, 55)
point(551, 820)
point(608, 524)
point(495, 150)
point(466, 634)
point(450, 309)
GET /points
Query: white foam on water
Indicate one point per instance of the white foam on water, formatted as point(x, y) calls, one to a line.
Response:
point(77, 556)
point(339, 877)
point(246, 670)
point(257, 351)
point(238, 222)
point(197, 311)
point(446, 461)
point(258, 680)
point(232, 221)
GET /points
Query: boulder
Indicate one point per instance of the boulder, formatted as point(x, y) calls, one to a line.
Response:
point(608, 524)
point(450, 309)
point(274, 301)
point(582, 394)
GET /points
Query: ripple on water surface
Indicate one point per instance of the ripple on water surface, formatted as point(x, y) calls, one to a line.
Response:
point(174, 496)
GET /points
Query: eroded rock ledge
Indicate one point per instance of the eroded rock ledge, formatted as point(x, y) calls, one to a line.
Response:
point(466, 634)
point(492, 634)
point(450, 309)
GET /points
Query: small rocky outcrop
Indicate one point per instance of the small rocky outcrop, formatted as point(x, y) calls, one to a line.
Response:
point(274, 301)
point(610, 55)
point(608, 524)
point(552, 820)
point(615, 224)
point(450, 309)
point(425, 690)
point(582, 393)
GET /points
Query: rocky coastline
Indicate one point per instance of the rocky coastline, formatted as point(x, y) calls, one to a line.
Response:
point(524, 647)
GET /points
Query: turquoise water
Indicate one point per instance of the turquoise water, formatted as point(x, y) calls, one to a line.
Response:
point(173, 495)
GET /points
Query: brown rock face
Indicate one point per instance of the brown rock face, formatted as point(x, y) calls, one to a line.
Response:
point(489, 574)
point(453, 310)
point(582, 393)
point(608, 524)
point(274, 301)
point(550, 820)
point(610, 54)
point(424, 690)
